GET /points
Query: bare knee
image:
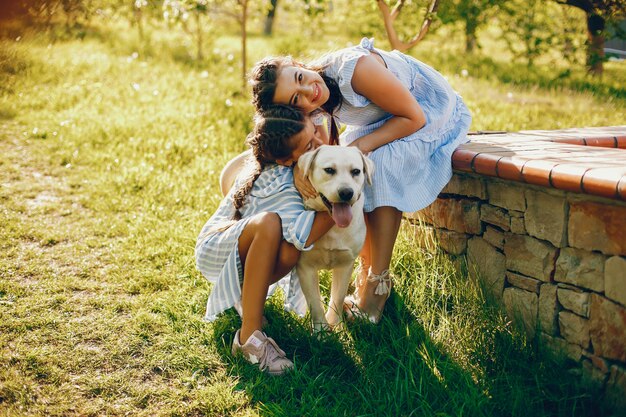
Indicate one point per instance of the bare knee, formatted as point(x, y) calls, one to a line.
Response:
point(288, 256)
point(268, 226)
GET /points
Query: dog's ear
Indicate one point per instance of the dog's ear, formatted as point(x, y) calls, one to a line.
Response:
point(305, 162)
point(368, 168)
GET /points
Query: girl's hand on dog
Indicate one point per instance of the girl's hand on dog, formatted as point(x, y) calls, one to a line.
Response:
point(303, 185)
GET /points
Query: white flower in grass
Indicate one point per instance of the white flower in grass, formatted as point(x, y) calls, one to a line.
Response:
point(464, 72)
point(228, 103)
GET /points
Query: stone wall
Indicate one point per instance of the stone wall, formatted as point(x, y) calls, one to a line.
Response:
point(555, 260)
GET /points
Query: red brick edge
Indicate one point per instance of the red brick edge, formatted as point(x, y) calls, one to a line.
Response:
point(586, 160)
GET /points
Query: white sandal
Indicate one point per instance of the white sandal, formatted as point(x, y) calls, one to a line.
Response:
point(351, 306)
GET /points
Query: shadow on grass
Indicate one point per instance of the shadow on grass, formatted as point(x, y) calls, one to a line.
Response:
point(390, 369)
point(397, 369)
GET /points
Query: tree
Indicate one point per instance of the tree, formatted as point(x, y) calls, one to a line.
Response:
point(238, 10)
point(269, 19)
point(528, 28)
point(598, 13)
point(180, 11)
point(473, 14)
point(389, 17)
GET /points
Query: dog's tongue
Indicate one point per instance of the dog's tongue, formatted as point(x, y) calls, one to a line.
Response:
point(342, 214)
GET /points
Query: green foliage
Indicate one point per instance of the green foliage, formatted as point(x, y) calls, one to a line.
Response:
point(528, 29)
point(472, 13)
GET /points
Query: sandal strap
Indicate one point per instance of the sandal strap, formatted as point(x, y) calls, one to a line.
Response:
point(383, 279)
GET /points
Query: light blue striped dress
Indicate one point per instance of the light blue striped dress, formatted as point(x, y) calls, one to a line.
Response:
point(217, 254)
point(411, 171)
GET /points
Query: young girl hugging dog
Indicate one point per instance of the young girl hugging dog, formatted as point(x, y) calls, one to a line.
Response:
point(256, 235)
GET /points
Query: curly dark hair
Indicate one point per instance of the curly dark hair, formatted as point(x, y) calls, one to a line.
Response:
point(264, 77)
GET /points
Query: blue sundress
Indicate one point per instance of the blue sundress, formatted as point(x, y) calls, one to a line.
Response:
point(410, 172)
point(217, 254)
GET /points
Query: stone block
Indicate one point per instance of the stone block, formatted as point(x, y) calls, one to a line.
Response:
point(600, 363)
point(595, 226)
point(574, 329)
point(485, 260)
point(546, 217)
point(494, 237)
point(592, 375)
point(548, 309)
point(523, 282)
point(507, 195)
point(580, 268)
point(452, 242)
point(466, 185)
point(562, 347)
point(615, 279)
point(607, 328)
point(616, 387)
point(529, 256)
point(495, 216)
point(574, 301)
point(457, 215)
point(517, 225)
point(424, 237)
point(521, 306)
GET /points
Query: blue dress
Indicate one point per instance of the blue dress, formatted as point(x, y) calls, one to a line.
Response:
point(410, 172)
point(217, 254)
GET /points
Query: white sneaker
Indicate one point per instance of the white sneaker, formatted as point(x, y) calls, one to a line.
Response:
point(262, 351)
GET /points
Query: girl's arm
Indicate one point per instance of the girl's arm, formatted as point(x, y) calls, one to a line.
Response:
point(374, 81)
point(322, 224)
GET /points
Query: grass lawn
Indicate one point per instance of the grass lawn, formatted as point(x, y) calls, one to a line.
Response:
point(110, 150)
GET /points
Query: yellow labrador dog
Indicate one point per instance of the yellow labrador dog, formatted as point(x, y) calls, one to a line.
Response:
point(338, 174)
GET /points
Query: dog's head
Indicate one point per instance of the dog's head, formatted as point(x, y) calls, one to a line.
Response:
point(338, 174)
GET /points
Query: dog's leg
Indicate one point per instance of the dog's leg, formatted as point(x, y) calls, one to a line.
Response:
point(341, 281)
point(310, 283)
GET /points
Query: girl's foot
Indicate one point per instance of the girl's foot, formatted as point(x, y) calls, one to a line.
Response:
point(262, 351)
point(370, 296)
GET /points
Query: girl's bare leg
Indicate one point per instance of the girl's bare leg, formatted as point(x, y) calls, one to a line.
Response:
point(265, 258)
point(383, 225)
point(365, 257)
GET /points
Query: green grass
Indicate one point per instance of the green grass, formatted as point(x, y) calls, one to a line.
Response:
point(109, 169)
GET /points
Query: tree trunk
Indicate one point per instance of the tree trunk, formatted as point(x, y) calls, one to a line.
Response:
point(199, 34)
point(269, 19)
point(595, 46)
point(244, 63)
point(470, 38)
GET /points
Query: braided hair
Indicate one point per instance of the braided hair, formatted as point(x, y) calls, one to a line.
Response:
point(264, 77)
point(271, 139)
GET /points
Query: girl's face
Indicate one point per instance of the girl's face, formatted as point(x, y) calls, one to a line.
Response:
point(301, 88)
point(307, 140)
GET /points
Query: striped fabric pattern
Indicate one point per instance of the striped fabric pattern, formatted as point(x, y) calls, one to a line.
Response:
point(217, 255)
point(411, 171)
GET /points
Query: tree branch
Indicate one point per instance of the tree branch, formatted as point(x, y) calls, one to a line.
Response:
point(389, 18)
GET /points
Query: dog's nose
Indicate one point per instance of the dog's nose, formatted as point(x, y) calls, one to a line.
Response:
point(346, 194)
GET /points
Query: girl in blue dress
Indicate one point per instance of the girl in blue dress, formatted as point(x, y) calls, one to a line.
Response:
point(400, 112)
point(256, 235)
